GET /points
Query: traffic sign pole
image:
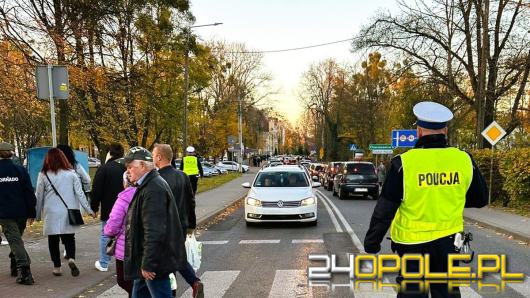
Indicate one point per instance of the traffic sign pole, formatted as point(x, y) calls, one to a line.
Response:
point(491, 173)
point(52, 106)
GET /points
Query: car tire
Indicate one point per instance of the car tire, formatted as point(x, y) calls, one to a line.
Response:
point(342, 195)
point(250, 224)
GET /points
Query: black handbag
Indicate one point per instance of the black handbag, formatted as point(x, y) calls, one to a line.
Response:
point(110, 248)
point(74, 215)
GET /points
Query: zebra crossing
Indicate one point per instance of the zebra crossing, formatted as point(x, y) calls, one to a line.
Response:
point(291, 284)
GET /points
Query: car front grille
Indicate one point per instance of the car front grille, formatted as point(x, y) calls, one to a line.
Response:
point(290, 204)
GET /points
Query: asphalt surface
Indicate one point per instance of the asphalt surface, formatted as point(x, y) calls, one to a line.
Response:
point(271, 260)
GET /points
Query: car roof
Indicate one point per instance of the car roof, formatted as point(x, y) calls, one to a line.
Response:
point(283, 168)
point(358, 162)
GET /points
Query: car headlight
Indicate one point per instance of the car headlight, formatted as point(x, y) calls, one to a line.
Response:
point(253, 202)
point(309, 201)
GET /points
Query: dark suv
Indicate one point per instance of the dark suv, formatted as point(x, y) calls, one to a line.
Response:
point(357, 178)
point(329, 174)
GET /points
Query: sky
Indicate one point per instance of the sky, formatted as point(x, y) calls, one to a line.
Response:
point(282, 24)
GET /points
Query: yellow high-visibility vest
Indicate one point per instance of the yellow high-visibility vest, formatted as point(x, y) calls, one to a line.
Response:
point(435, 183)
point(190, 165)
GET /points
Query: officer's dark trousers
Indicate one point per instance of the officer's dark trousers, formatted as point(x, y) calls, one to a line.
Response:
point(438, 250)
point(13, 229)
point(193, 180)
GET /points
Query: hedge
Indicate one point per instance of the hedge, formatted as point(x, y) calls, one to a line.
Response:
point(511, 173)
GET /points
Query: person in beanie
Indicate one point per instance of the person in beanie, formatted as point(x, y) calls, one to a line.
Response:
point(108, 183)
point(17, 207)
point(154, 239)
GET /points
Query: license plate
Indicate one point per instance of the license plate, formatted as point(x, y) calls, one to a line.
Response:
point(361, 190)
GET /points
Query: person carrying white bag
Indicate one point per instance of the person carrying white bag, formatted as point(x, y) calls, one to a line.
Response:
point(193, 251)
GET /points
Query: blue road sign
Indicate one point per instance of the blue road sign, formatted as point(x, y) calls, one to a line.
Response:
point(353, 147)
point(404, 138)
point(36, 160)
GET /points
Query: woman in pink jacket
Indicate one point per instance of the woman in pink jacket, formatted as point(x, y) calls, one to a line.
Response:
point(115, 227)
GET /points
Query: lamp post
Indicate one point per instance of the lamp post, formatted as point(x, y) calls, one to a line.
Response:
point(186, 81)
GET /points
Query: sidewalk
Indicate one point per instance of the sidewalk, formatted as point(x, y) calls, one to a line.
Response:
point(501, 221)
point(209, 204)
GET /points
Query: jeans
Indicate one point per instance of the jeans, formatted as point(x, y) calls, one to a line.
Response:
point(156, 288)
point(13, 230)
point(53, 246)
point(104, 259)
point(189, 274)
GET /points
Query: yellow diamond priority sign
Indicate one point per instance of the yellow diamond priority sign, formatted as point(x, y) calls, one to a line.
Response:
point(493, 133)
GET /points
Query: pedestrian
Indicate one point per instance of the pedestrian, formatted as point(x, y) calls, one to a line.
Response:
point(79, 170)
point(192, 167)
point(17, 207)
point(381, 173)
point(115, 227)
point(108, 183)
point(59, 189)
point(154, 240)
point(180, 186)
point(423, 198)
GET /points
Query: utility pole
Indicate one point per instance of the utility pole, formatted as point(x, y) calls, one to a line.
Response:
point(240, 128)
point(186, 82)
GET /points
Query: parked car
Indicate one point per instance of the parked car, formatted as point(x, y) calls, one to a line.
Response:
point(208, 172)
point(281, 194)
point(357, 178)
point(94, 162)
point(329, 174)
point(231, 166)
point(219, 170)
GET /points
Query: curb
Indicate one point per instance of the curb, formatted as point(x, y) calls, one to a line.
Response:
point(516, 236)
point(214, 214)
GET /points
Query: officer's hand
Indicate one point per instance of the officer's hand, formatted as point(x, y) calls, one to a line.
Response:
point(30, 221)
point(148, 275)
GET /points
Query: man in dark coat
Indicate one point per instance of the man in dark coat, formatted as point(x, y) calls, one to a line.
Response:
point(182, 191)
point(154, 245)
point(17, 206)
point(108, 183)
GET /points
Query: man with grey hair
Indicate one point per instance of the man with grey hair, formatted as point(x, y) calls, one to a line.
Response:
point(17, 206)
point(154, 245)
point(180, 186)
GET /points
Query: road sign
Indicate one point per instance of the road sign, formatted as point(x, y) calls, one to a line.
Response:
point(353, 147)
point(231, 140)
point(493, 133)
point(59, 82)
point(380, 147)
point(382, 151)
point(404, 138)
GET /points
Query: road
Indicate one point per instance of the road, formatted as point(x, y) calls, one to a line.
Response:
point(272, 260)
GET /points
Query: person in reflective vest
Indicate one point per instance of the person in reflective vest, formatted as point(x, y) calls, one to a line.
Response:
point(192, 167)
point(423, 198)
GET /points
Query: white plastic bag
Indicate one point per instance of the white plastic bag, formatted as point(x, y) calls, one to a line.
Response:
point(172, 281)
point(193, 251)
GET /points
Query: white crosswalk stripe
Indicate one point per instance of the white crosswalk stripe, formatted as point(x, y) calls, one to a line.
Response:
point(208, 242)
point(522, 288)
point(303, 241)
point(290, 283)
point(216, 283)
point(273, 241)
point(468, 292)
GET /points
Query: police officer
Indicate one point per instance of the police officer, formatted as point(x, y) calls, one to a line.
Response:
point(17, 206)
point(423, 198)
point(192, 167)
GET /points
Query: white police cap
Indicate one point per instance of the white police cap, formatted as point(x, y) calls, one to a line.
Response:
point(432, 115)
point(190, 149)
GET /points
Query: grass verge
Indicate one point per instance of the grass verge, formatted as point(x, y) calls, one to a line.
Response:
point(516, 207)
point(209, 183)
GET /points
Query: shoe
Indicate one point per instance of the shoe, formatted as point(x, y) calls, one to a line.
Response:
point(198, 289)
point(14, 270)
point(25, 277)
point(57, 271)
point(100, 268)
point(64, 254)
point(4, 242)
point(73, 267)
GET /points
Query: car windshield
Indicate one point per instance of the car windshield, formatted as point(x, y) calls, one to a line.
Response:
point(360, 169)
point(281, 179)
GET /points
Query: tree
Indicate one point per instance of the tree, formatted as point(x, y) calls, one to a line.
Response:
point(479, 53)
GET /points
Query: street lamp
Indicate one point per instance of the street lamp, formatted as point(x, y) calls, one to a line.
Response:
point(186, 81)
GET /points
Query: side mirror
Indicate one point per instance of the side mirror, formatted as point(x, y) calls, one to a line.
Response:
point(316, 184)
point(315, 178)
point(246, 185)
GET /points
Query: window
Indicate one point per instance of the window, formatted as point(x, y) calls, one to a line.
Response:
point(360, 169)
point(281, 179)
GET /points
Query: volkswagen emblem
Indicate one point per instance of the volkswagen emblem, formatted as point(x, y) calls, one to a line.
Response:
point(280, 204)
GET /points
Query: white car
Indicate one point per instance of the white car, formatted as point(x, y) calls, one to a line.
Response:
point(281, 194)
point(93, 162)
point(231, 166)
